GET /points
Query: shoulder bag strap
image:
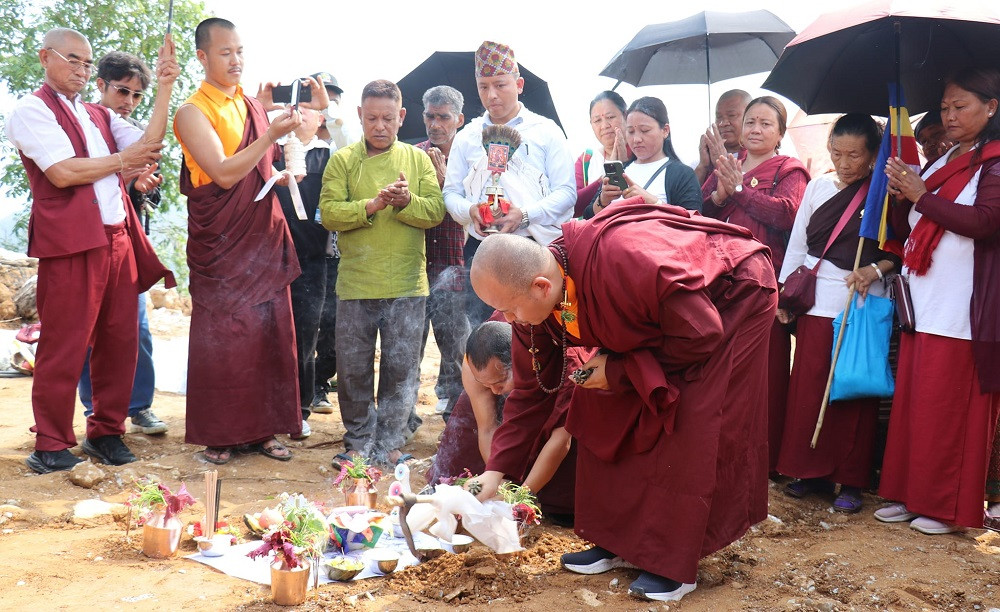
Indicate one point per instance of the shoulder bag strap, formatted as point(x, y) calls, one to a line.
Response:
point(656, 174)
point(844, 218)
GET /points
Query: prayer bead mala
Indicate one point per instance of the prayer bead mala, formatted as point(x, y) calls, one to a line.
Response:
point(564, 316)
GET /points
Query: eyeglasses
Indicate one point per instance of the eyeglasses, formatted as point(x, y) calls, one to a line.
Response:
point(126, 92)
point(75, 64)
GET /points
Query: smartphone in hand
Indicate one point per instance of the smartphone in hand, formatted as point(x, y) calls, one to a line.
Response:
point(282, 94)
point(615, 171)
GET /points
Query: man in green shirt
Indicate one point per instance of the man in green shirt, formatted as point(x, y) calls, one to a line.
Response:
point(381, 195)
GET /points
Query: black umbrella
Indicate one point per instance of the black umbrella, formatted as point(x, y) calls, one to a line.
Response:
point(458, 69)
point(703, 48)
point(843, 61)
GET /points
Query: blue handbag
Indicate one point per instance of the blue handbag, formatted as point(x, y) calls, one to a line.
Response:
point(863, 363)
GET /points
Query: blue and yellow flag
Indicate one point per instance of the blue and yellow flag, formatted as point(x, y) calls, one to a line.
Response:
point(875, 222)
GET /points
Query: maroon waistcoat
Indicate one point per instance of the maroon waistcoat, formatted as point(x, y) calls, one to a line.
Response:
point(67, 221)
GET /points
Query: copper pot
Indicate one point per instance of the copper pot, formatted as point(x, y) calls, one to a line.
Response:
point(360, 492)
point(288, 586)
point(159, 538)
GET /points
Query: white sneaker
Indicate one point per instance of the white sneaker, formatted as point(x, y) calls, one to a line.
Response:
point(306, 432)
point(895, 513)
point(442, 405)
point(929, 526)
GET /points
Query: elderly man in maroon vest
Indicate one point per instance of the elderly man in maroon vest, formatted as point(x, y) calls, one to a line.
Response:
point(94, 258)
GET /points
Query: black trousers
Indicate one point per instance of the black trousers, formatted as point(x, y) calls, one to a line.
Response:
point(326, 347)
point(309, 293)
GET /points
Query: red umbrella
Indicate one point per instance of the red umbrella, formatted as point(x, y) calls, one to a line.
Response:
point(843, 61)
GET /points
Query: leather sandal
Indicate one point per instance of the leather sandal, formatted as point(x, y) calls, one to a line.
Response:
point(272, 448)
point(219, 455)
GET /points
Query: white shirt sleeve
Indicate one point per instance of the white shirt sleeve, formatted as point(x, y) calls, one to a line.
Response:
point(123, 132)
point(33, 129)
point(557, 207)
point(455, 199)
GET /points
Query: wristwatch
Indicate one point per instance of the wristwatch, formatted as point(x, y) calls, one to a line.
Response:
point(524, 220)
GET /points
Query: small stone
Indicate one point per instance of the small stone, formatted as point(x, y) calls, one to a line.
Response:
point(323, 470)
point(182, 571)
point(613, 583)
point(351, 600)
point(486, 571)
point(12, 511)
point(86, 475)
point(21, 583)
point(98, 558)
point(588, 597)
point(824, 525)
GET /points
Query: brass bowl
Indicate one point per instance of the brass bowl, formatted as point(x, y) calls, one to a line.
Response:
point(430, 553)
point(344, 570)
point(384, 561)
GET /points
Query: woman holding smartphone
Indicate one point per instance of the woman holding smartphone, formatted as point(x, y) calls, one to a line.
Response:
point(656, 174)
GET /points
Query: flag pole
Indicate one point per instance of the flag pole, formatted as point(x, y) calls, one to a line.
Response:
point(897, 39)
point(836, 351)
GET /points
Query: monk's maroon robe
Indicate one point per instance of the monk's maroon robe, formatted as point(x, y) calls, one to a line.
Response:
point(242, 371)
point(767, 205)
point(672, 461)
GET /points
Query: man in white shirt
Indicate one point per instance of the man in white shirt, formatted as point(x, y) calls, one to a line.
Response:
point(543, 148)
point(94, 258)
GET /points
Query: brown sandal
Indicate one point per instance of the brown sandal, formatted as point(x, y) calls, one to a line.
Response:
point(271, 448)
point(219, 455)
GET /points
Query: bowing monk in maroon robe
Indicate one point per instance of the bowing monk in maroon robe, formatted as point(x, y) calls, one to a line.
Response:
point(671, 425)
point(242, 371)
point(766, 204)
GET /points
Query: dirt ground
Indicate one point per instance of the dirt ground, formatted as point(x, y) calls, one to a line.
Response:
point(803, 557)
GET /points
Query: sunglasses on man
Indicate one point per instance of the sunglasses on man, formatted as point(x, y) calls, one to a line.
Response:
point(126, 92)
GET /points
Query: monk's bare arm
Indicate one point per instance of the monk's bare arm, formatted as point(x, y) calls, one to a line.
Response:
point(198, 135)
point(484, 407)
point(549, 459)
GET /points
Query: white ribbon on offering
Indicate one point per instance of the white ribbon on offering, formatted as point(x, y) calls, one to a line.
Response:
point(492, 522)
point(293, 188)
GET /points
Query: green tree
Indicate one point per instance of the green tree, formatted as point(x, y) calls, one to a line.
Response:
point(134, 26)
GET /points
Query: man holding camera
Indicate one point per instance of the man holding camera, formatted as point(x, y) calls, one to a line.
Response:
point(122, 79)
point(537, 213)
point(242, 373)
point(93, 257)
point(381, 195)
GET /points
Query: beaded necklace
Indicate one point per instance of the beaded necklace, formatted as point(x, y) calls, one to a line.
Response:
point(564, 316)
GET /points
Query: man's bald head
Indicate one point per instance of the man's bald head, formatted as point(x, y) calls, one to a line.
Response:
point(67, 59)
point(57, 37)
point(518, 277)
point(513, 261)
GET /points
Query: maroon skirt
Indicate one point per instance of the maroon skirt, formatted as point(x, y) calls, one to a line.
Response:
point(844, 450)
point(940, 431)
